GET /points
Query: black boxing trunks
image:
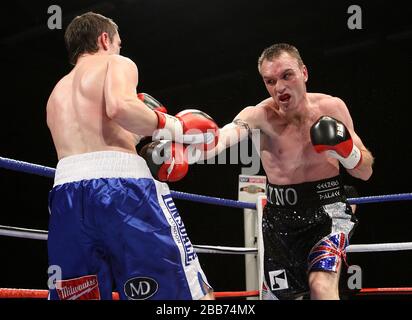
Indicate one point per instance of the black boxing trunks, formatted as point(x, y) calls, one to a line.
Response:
point(351, 191)
point(305, 228)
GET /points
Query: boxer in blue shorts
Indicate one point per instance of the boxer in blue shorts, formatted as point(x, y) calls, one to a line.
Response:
point(112, 225)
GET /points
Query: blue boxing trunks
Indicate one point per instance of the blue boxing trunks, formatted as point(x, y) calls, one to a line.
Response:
point(305, 228)
point(112, 226)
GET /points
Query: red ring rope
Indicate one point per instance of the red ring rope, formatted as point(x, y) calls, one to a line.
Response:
point(42, 294)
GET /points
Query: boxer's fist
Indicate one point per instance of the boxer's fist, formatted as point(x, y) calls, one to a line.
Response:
point(331, 135)
point(151, 102)
point(166, 160)
point(189, 127)
point(199, 128)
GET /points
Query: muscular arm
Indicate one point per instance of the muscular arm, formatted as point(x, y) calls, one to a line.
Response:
point(364, 169)
point(122, 105)
point(234, 132)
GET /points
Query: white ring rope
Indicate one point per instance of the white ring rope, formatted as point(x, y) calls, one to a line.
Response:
point(23, 233)
point(397, 246)
point(377, 247)
point(224, 250)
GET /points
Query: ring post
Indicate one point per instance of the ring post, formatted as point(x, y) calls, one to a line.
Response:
point(260, 204)
point(250, 188)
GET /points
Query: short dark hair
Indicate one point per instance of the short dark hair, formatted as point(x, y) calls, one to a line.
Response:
point(82, 33)
point(276, 50)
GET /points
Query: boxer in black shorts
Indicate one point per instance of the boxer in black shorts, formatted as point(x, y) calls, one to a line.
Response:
point(305, 228)
point(304, 139)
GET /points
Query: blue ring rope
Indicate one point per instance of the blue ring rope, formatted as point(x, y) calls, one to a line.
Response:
point(49, 172)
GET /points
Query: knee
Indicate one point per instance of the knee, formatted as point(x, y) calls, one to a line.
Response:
point(321, 289)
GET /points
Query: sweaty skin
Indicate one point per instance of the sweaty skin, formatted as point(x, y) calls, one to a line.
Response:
point(94, 107)
point(286, 151)
point(287, 154)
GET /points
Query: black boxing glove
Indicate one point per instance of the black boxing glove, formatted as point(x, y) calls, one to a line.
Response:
point(331, 135)
point(166, 160)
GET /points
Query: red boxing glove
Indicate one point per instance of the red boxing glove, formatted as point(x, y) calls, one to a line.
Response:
point(199, 128)
point(151, 102)
point(331, 135)
point(190, 127)
point(166, 160)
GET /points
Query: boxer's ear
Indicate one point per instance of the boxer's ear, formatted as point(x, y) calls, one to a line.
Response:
point(305, 73)
point(103, 41)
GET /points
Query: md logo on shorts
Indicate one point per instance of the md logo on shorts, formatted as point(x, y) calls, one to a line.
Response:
point(278, 280)
point(140, 288)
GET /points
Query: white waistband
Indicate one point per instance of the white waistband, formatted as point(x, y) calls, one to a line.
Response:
point(101, 164)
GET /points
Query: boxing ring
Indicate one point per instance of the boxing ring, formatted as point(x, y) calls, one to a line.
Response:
point(30, 168)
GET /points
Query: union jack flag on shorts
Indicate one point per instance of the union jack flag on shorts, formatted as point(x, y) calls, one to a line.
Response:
point(328, 252)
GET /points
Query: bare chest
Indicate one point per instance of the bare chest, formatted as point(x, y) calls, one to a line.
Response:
point(289, 143)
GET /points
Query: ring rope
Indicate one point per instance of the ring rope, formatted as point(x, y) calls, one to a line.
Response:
point(379, 247)
point(31, 168)
point(213, 200)
point(12, 293)
point(42, 235)
point(223, 250)
point(353, 248)
point(49, 172)
point(36, 169)
point(388, 291)
point(24, 233)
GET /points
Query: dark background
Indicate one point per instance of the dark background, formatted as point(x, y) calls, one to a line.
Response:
point(203, 54)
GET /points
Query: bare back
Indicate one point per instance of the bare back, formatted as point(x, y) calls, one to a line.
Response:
point(76, 112)
point(287, 154)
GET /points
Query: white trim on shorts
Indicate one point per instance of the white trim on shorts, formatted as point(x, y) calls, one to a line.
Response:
point(101, 164)
point(192, 269)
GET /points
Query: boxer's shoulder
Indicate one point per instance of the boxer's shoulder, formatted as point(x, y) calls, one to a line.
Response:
point(321, 99)
point(252, 115)
point(121, 61)
point(327, 104)
point(60, 87)
point(267, 103)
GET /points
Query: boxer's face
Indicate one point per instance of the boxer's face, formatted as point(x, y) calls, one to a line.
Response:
point(284, 80)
